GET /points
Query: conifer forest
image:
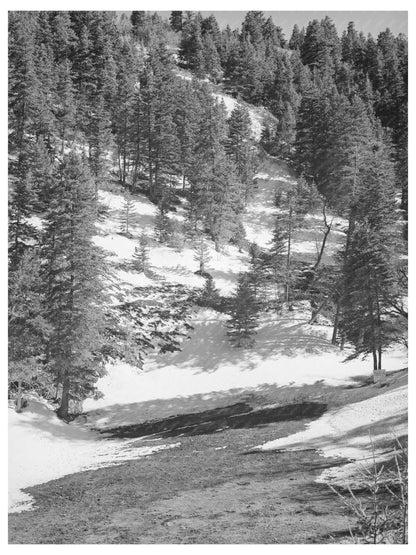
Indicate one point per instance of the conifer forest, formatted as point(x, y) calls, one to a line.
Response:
point(208, 279)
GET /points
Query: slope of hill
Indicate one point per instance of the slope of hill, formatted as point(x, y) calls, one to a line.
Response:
point(207, 371)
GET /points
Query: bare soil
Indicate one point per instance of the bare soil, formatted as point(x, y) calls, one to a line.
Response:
point(212, 489)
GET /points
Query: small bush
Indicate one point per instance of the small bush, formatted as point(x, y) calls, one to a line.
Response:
point(382, 512)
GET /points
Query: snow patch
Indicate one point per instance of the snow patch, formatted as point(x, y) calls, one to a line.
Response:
point(44, 448)
point(351, 432)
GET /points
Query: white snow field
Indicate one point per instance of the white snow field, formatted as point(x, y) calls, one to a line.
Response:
point(43, 448)
point(288, 352)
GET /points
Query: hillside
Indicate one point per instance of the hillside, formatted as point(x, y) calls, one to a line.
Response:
point(207, 372)
point(207, 281)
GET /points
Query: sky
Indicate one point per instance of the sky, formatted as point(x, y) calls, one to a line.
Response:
point(367, 21)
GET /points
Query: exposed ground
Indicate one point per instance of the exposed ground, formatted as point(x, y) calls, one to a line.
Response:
point(211, 488)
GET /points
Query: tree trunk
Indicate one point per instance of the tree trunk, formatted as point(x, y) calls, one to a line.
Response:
point(336, 324)
point(19, 400)
point(374, 359)
point(326, 233)
point(64, 407)
point(289, 241)
point(317, 312)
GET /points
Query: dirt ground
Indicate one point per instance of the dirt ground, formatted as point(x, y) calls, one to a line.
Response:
point(209, 489)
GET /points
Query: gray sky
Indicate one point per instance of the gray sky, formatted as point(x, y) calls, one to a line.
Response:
point(367, 21)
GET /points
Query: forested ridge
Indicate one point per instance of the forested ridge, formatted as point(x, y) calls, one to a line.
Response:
point(96, 99)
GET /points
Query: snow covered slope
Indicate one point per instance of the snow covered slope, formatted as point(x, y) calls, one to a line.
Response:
point(43, 448)
point(288, 352)
point(351, 432)
point(167, 263)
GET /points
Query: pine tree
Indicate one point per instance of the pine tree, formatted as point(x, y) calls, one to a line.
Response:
point(163, 225)
point(297, 38)
point(72, 272)
point(210, 27)
point(138, 23)
point(216, 195)
point(123, 109)
point(212, 62)
point(161, 145)
point(369, 281)
point(65, 105)
point(252, 27)
point(127, 213)
point(100, 141)
point(369, 277)
point(27, 327)
point(186, 120)
point(202, 255)
point(278, 261)
point(243, 321)
point(257, 274)
point(141, 255)
point(175, 20)
point(240, 146)
point(23, 79)
point(191, 48)
point(209, 296)
point(23, 202)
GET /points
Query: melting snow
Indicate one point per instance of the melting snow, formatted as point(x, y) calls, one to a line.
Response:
point(351, 432)
point(43, 448)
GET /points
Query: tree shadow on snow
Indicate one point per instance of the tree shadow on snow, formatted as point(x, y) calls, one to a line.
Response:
point(236, 416)
point(209, 348)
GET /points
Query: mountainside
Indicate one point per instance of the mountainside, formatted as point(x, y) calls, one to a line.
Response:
point(205, 370)
point(207, 281)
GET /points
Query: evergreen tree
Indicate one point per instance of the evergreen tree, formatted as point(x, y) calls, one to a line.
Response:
point(175, 20)
point(294, 205)
point(321, 48)
point(240, 146)
point(216, 195)
point(138, 21)
point(23, 80)
point(202, 255)
point(243, 318)
point(257, 274)
point(210, 295)
point(191, 48)
point(163, 225)
point(278, 261)
point(252, 27)
point(297, 38)
point(127, 213)
point(186, 119)
point(369, 277)
point(212, 62)
point(141, 255)
point(369, 281)
point(123, 109)
point(209, 27)
point(72, 272)
point(27, 327)
point(161, 145)
point(100, 141)
point(65, 105)
point(23, 202)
